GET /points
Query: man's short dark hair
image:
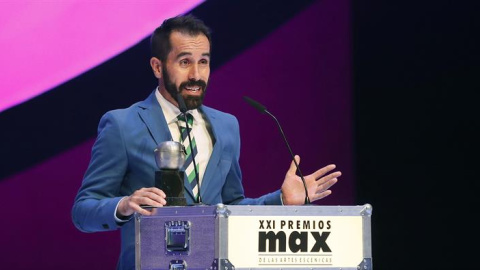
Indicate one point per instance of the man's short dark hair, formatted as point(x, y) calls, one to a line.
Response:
point(188, 24)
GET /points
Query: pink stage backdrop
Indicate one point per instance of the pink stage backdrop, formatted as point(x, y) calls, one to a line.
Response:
point(45, 43)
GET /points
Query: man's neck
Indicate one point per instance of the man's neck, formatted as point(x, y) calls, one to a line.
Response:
point(167, 95)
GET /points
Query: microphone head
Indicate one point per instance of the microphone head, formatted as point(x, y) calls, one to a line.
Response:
point(255, 104)
point(181, 103)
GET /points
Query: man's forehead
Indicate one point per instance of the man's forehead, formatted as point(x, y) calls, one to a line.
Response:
point(187, 43)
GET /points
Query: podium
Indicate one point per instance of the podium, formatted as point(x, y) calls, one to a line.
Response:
point(254, 237)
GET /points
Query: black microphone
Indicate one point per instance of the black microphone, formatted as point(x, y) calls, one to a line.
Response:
point(262, 109)
point(183, 109)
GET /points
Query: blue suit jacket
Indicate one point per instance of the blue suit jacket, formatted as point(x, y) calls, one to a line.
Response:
point(123, 161)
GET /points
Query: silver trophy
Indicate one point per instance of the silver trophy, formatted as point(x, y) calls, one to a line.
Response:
point(170, 157)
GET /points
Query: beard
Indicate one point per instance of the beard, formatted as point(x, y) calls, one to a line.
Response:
point(192, 102)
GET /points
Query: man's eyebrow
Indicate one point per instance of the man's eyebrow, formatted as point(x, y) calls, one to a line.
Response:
point(182, 54)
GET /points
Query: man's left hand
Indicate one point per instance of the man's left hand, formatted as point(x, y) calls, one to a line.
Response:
point(318, 184)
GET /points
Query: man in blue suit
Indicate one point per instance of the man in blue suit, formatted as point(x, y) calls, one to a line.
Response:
point(121, 174)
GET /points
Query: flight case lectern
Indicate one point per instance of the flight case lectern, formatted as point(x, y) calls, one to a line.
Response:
point(254, 237)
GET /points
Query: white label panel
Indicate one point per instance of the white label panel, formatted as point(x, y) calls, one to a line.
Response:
point(295, 241)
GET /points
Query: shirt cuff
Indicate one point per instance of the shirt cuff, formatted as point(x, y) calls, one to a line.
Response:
point(118, 220)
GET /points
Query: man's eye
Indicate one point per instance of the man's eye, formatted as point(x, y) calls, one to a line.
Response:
point(204, 62)
point(184, 62)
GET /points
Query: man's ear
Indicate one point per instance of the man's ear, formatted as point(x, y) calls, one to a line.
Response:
point(156, 65)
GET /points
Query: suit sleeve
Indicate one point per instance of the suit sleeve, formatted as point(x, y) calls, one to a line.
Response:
point(99, 194)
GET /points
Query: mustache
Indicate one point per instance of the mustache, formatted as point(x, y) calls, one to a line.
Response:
point(201, 83)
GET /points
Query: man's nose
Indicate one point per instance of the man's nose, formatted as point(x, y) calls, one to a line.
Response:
point(194, 73)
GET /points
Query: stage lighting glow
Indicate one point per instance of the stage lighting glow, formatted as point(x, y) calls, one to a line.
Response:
point(45, 43)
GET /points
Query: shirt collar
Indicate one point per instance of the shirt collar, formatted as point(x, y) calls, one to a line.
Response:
point(171, 111)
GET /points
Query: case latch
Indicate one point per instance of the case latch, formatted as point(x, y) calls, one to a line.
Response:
point(177, 237)
point(178, 265)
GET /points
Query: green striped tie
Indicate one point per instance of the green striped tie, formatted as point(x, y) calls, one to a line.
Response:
point(190, 151)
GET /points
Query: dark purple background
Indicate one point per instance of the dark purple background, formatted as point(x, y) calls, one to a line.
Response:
point(300, 71)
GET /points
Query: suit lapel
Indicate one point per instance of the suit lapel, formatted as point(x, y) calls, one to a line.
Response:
point(213, 163)
point(151, 114)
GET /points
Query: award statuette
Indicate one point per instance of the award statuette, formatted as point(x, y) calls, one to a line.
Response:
point(170, 157)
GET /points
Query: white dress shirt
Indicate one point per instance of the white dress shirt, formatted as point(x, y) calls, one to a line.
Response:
point(199, 129)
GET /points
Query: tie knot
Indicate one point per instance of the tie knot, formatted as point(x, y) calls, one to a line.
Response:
point(181, 119)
